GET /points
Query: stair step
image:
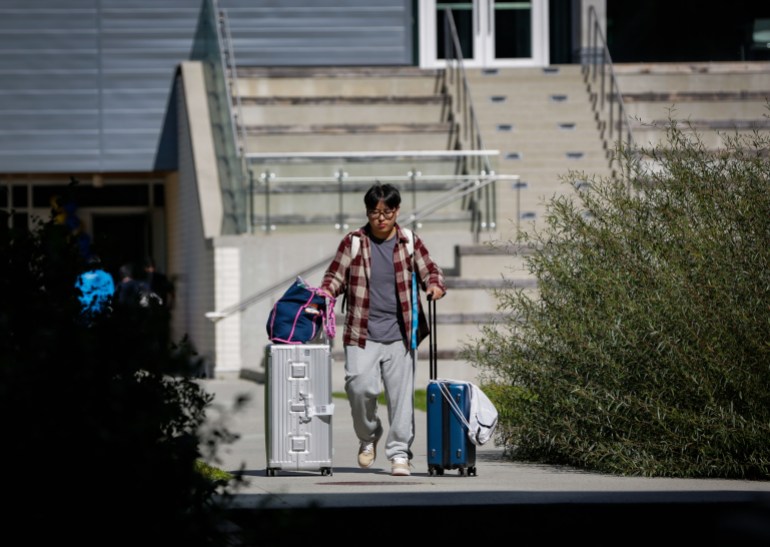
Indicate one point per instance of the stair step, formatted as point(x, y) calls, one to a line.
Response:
point(705, 125)
point(691, 77)
point(337, 81)
point(341, 100)
point(343, 113)
point(336, 72)
point(349, 141)
point(673, 96)
point(709, 112)
point(648, 137)
point(337, 129)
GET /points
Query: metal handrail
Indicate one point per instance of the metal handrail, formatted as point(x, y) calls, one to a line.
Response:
point(212, 48)
point(412, 218)
point(470, 127)
point(231, 69)
point(454, 53)
point(599, 56)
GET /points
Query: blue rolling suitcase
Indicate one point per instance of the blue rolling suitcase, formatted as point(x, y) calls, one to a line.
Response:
point(448, 443)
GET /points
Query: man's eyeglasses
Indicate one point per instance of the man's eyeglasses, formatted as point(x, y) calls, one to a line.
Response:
point(376, 213)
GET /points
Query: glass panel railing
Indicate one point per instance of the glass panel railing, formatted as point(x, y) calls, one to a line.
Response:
point(295, 191)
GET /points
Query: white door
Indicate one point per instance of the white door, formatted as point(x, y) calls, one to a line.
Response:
point(491, 33)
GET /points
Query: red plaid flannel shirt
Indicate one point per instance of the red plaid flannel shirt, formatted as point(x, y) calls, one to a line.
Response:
point(342, 275)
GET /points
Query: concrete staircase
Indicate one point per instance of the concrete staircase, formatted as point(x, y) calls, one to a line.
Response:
point(539, 119)
point(716, 99)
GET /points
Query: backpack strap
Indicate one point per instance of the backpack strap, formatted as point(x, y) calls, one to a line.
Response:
point(355, 246)
point(409, 241)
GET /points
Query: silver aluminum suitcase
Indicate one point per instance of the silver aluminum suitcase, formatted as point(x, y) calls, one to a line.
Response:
point(299, 408)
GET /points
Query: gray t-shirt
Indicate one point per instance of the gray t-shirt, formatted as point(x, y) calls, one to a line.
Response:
point(383, 303)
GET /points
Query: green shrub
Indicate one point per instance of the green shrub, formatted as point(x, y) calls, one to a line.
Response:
point(212, 473)
point(646, 349)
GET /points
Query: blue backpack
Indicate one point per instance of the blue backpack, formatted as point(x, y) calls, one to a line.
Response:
point(301, 315)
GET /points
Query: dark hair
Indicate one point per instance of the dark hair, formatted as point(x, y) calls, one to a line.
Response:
point(127, 270)
point(382, 192)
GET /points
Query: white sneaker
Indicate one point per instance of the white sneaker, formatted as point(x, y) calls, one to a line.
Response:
point(399, 467)
point(367, 452)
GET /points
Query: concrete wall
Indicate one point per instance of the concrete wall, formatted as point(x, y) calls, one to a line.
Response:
point(191, 253)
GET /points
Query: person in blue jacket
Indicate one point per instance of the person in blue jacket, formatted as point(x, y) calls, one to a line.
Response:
point(96, 288)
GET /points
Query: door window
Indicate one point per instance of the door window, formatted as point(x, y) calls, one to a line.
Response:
point(490, 32)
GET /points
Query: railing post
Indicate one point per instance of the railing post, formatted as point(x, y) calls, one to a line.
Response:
point(341, 176)
point(265, 177)
point(413, 174)
point(612, 109)
point(489, 224)
point(251, 202)
point(475, 213)
point(615, 113)
point(519, 186)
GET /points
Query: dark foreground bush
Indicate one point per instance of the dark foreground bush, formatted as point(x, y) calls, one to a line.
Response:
point(646, 351)
point(101, 424)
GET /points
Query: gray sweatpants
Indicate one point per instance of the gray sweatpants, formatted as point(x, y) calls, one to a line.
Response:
point(364, 368)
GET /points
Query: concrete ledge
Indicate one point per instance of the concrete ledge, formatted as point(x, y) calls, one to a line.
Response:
point(718, 125)
point(692, 96)
point(336, 72)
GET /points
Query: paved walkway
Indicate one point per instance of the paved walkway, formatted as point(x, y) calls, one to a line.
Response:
point(498, 483)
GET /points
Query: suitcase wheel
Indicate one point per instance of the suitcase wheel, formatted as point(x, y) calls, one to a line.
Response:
point(438, 470)
point(270, 472)
point(326, 471)
point(466, 471)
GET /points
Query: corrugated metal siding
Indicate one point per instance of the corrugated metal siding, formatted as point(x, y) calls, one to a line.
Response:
point(85, 85)
point(322, 33)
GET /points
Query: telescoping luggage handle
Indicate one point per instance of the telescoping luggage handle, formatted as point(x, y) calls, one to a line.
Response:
point(432, 354)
